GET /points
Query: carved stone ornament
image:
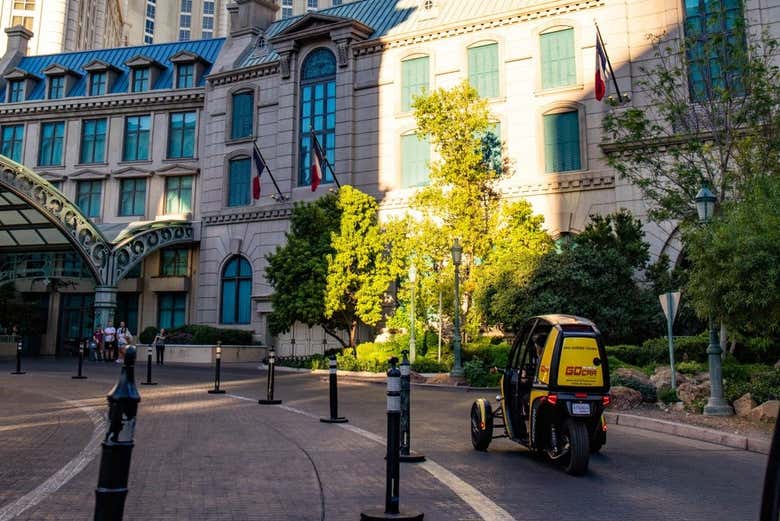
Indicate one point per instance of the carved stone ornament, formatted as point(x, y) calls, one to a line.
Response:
point(342, 48)
point(284, 64)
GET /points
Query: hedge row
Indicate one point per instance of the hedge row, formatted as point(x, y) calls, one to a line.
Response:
point(199, 335)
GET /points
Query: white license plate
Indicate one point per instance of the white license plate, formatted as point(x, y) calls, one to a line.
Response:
point(580, 408)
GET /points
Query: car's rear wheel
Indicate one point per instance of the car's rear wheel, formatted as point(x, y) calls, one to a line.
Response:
point(598, 439)
point(481, 424)
point(574, 439)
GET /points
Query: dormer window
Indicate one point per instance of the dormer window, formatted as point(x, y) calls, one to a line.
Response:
point(16, 91)
point(97, 83)
point(141, 79)
point(56, 87)
point(185, 75)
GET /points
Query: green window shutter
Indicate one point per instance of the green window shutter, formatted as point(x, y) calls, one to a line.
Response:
point(562, 142)
point(558, 62)
point(415, 156)
point(483, 69)
point(239, 181)
point(243, 103)
point(414, 80)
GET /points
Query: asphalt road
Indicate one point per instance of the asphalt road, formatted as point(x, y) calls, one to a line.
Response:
point(201, 456)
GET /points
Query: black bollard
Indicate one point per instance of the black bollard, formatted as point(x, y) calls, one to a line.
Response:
point(149, 367)
point(334, 394)
point(270, 390)
point(117, 448)
point(18, 358)
point(80, 376)
point(217, 369)
point(407, 455)
point(392, 489)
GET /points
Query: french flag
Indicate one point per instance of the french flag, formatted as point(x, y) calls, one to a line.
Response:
point(601, 69)
point(317, 160)
point(260, 163)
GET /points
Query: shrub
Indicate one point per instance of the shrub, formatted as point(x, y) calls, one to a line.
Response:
point(491, 354)
point(424, 364)
point(686, 348)
point(199, 335)
point(691, 367)
point(766, 350)
point(636, 355)
point(763, 384)
point(148, 334)
point(668, 395)
point(478, 375)
point(646, 390)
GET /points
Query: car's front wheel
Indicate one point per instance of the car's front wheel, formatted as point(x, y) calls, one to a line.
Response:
point(481, 424)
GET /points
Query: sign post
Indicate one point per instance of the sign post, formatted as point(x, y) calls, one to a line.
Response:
point(670, 303)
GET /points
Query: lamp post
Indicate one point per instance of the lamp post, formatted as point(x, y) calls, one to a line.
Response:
point(412, 341)
point(457, 251)
point(716, 404)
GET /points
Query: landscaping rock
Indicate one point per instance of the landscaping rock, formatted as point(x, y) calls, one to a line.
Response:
point(766, 412)
point(689, 392)
point(663, 377)
point(626, 373)
point(624, 398)
point(777, 364)
point(704, 376)
point(744, 404)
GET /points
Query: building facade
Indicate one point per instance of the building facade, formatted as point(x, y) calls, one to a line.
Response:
point(116, 133)
point(65, 25)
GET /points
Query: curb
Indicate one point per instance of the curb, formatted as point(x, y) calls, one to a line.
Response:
point(692, 432)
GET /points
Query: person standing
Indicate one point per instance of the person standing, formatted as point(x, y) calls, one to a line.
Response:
point(159, 346)
point(109, 340)
point(123, 337)
point(97, 338)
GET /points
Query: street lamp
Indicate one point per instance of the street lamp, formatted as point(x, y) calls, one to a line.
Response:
point(716, 404)
point(457, 251)
point(412, 344)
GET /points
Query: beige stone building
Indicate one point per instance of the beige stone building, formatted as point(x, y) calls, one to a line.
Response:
point(65, 25)
point(350, 71)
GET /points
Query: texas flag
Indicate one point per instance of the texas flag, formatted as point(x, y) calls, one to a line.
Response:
point(317, 161)
point(601, 69)
point(260, 163)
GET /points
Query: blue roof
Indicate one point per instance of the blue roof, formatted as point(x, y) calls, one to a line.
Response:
point(207, 49)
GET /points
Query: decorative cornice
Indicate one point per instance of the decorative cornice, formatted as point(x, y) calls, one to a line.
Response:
point(92, 103)
point(247, 73)
point(515, 17)
point(270, 214)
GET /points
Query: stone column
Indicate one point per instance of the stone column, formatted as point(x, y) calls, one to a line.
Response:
point(105, 305)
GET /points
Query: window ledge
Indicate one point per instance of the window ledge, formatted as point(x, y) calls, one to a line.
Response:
point(50, 167)
point(136, 162)
point(240, 140)
point(558, 90)
point(179, 159)
point(102, 163)
point(496, 99)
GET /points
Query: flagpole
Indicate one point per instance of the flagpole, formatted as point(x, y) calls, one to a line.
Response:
point(316, 143)
point(273, 179)
point(609, 64)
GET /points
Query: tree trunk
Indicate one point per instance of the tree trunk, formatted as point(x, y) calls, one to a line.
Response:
point(353, 336)
point(334, 335)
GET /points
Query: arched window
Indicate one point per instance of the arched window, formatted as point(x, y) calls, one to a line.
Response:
point(318, 110)
point(236, 291)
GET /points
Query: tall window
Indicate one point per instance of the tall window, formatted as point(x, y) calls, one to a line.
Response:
point(414, 80)
point(12, 140)
point(174, 262)
point(483, 69)
point(132, 197)
point(559, 68)
point(26, 21)
point(50, 150)
point(312, 5)
point(137, 130)
point(171, 310)
point(88, 197)
point(185, 75)
point(141, 79)
point(178, 194)
point(716, 48)
point(181, 135)
point(236, 292)
point(238, 181)
point(415, 155)
point(242, 115)
point(287, 8)
point(562, 142)
point(56, 87)
point(318, 110)
point(97, 83)
point(16, 91)
point(93, 140)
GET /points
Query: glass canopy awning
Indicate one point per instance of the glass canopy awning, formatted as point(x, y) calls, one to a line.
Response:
point(25, 229)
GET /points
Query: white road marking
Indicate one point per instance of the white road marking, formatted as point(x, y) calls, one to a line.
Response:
point(66, 473)
point(482, 505)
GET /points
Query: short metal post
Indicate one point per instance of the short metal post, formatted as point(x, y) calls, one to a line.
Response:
point(118, 445)
point(334, 394)
point(392, 487)
point(80, 376)
point(217, 369)
point(149, 367)
point(407, 455)
point(270, 389)
point(18, 358)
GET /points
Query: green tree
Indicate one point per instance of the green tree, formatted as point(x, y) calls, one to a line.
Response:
point(360, 265)
point(298, 270)
point(709, 115)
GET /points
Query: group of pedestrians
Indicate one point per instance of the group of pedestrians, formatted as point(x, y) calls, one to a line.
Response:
point(109, 344)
